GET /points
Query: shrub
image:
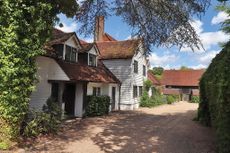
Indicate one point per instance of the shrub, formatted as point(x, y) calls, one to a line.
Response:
point(170, 99)
point(44, 122)
point(195, 99)
point(97, 105)
point(147, 101)
point(214, 107)
point(147, 85)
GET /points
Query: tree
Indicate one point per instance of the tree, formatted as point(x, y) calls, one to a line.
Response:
point(157, 70)
point(160, 22)
point(25, 26)
point(185, 68)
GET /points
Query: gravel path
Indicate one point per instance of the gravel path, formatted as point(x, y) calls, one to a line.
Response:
point(164, 129)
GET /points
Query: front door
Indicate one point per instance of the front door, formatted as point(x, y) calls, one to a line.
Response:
point(113, 98)
point(69, 99)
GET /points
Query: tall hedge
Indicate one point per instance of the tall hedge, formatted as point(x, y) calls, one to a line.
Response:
point(214, 108)
point(97, 105)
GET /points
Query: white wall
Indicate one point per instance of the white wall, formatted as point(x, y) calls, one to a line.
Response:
point(106, 89)
point(79, 100)
point(138, 78)
point(121, 68)
point(48, 69)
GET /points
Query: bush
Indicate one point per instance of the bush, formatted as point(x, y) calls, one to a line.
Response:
point(44, 122)
point(170, 99)
point(195, 99)
point(214, 107)
point(147, 101)
point(97, 105)
point(147, 85)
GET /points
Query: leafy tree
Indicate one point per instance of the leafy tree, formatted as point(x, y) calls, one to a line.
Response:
point(161, 22)
point(25, 26)
point(157, 70)
point(185, 68)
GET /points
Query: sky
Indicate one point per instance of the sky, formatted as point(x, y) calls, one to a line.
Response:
point(207, 27)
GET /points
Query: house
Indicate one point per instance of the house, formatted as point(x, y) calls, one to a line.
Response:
point(127, 61)
point(71, 70)
point(181, 82)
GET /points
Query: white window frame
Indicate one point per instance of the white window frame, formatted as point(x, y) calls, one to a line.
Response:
point(95, 59)
point(64, 53)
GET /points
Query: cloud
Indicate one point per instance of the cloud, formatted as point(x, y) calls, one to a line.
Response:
point(208, 39)
point(206, 58)
point(199, 66)
point(67, 28)
point(220, 17)
point(163, 60)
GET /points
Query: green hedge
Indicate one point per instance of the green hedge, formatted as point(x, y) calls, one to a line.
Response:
point(147, 101)
point(97, 105)
point(195, 99)
point(172, 98)
point(214, 108)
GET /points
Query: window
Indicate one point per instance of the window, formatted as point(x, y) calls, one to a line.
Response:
point(96, 91)
point(70, 54)
point(144, 70)
point(140, 90)
point(54, 91)
point(92, 60)
point(135, 65)
point(134, 91)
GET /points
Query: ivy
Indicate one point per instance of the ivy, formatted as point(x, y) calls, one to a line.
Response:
point(25, 26)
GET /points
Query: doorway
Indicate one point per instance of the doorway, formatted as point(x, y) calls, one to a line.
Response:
point(69, 99)
point(113, 104)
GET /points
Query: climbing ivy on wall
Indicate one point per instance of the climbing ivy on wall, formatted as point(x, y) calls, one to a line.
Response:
point(25, 26)
point(214, 106)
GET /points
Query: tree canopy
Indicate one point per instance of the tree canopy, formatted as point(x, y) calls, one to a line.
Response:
point(157, 22)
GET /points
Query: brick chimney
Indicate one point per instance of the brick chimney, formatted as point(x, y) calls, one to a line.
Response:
point(99, 28)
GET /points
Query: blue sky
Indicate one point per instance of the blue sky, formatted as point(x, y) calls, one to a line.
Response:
point(207, 27)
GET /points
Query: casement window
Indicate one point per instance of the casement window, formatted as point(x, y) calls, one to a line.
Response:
point(140, 90)
point(96, 91)
point(135, 66)
point(144, 70)
point(135, 94)
point(92, 60)
point(70, 54)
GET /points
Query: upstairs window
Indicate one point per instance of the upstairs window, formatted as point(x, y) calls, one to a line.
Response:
point(92, 60)
point(96, 91)
point(135, 94)
point(144, 70)
point(140, 90)
point(135, 66)
point(70, 54)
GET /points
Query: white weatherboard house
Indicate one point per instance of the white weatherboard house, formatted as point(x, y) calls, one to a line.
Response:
point(127, 61)
point(69, 72)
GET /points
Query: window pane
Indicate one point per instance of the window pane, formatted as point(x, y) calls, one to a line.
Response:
point(73, 56)
point(94, 91)
point(140, 91)
point(135, 64)
point(98, 91)
point(92, 60)
point(144, 70)
point(68, 53)
point(134, 91)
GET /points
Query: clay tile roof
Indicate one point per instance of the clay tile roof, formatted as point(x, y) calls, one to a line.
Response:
point(118, 49)
point(181, 77)
point(86, 47)
point(107, 37)
point(80, 72)
point(153, 79)
point(59, 37)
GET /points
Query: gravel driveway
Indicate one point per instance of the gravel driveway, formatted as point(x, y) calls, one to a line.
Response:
point(163, 129)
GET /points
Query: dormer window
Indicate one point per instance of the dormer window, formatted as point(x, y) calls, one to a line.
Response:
point(70, 54)
point(92, 60)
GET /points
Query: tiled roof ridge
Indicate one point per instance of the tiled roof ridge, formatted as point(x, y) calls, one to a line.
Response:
point(118, 41)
